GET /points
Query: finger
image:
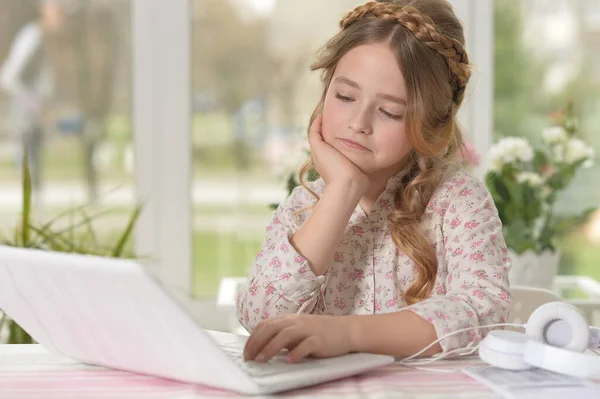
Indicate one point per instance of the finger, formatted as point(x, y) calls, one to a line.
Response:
point(289, 335)
point(314, 134)
point(262, 336)
point(318, 123)
point(256, 332)
point(252, 338)
point(302, 350)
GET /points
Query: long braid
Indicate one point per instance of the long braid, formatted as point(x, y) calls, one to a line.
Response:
point(426, 31)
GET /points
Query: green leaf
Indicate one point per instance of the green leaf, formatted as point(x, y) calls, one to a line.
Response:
point(17, 237)
point(3, 320)
point(71, 232)
point(54, 241)
point(17, 335)
point(576, 165)
point(63, 240)
point(89, 228)
point(498, 187)
point(546, 239)
point(518, 237)
point(502, 205)
point(540, 159)
point(83, 223)
point(514, 206)
point(26, 211)
point(535, 202)
point(556, 181)
point(291, 183)
point(118, 250)
point(48, 225)
point(313, 174)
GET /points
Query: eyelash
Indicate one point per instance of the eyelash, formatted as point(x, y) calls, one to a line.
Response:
point(387, 114)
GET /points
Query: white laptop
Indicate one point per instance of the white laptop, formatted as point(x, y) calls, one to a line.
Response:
point(113, 313)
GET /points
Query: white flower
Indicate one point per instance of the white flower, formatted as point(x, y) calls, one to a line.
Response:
point(510, 150)
point(530, 178)
point(573, 151)
point(554, 135)
point(559, 153)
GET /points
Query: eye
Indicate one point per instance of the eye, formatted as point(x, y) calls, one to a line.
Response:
point(343, 98)
point(391, 116)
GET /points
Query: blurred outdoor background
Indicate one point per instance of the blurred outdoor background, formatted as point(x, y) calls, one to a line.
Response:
point(252, 97)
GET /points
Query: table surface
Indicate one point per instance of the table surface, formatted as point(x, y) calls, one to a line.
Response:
point(30, 371)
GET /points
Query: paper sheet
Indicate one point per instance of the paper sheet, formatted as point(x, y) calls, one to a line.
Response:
point(534, 383)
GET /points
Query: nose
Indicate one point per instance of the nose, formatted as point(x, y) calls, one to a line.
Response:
point(359, 122)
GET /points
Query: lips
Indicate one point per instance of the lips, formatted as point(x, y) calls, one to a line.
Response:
point(353, 144)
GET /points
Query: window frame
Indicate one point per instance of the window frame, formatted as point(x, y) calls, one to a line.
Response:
point(476, 115)
point(161, 124)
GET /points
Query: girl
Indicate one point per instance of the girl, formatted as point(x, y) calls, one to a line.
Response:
point(395, 245)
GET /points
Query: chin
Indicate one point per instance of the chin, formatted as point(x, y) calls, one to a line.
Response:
point(365, 167)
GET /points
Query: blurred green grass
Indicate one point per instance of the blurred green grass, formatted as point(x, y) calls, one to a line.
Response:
point(579, 256)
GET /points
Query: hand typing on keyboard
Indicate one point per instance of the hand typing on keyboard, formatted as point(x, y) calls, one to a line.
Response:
point(276, 365)
point(303, 335)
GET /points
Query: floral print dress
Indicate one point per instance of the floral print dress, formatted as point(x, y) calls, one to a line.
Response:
point(369, 274)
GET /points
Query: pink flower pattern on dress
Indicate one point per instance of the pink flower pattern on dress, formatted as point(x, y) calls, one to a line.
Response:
point(369, 274)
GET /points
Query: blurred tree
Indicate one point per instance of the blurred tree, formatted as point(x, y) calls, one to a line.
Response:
point(517, 74)
point(85, 55)
point(231, 59)
point(232, 65)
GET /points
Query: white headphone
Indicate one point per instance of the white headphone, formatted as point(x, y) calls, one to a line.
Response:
point(556, 335)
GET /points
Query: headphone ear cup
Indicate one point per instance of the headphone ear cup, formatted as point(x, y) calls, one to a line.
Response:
point(559, 324)
point(505, 349)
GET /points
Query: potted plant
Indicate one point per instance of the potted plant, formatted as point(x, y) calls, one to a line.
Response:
point(77, 237)
point(525, 183)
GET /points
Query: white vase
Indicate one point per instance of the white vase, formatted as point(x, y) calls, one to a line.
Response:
point(534, 270)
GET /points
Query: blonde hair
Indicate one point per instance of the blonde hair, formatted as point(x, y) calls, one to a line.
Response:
point(428, 41)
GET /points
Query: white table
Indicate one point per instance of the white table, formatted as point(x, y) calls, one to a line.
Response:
point(29, 371)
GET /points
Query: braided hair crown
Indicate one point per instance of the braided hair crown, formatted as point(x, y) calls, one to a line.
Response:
point(426, 31)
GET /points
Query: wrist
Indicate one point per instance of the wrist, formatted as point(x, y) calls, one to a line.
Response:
point(350, 189)
point(354, 326)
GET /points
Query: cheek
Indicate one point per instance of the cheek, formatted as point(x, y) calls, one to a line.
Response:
point(333, 118)
point(393, 143)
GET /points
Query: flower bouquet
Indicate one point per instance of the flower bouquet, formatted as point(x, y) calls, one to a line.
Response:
point(525, 183)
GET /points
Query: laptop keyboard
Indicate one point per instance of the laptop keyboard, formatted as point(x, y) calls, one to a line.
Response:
point(276, 365)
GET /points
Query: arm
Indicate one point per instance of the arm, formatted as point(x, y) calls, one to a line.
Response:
point(322, 231)
point(477, 289)
point(388, 334)
point(289, 271)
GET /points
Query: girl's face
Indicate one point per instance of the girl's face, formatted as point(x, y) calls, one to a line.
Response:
point(364, 110)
